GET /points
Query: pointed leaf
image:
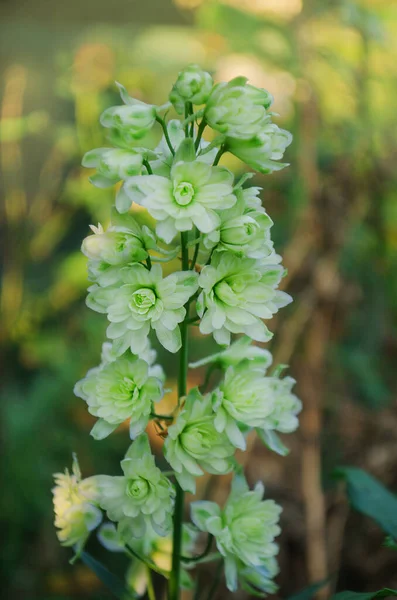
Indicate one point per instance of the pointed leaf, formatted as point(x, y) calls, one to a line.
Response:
point(113, 583)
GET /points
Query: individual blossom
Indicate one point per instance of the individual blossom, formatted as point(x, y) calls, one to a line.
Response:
point(141, 496)
point(117, 391)
point(264, 151)
point(193, 444)
point(112, 165)
point(242, 349)
point(244, 529)
point(148, 354)
point(123, 243)
point(284, 416)
point(192, 85)
point(190, 197)
point(258, 580)
point(237, 294)
point(75, 512)
point(237, 109)
point(243, 230)
point(144, 300)
point(130, 122)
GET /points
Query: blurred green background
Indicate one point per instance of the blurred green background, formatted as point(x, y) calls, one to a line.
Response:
point(332, 67)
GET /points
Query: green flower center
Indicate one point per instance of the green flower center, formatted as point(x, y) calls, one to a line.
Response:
point(183, 193)
point(137, 489)
point(128, 388)
point(142, 301)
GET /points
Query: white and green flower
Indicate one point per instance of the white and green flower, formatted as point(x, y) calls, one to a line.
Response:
point(237, 109)
point(123, 243)
point(193, 444)
point(144, 300)
point(244, 529)
point(192, 85)
point(141, 495)
point(190, 197)
point(237, 294)
point(112, 165)
point(264, 151)
point(117, 391)
point(74, 506)
point(243, 230)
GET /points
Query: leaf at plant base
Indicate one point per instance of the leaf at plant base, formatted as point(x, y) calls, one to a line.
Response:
point(113, 583)
point(364, 595)
point(370, 497)
point(309, 592)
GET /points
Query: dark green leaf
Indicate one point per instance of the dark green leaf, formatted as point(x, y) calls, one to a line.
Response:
point(309, 592)
point(364, 595)
point(371, 498)
point(113, 583)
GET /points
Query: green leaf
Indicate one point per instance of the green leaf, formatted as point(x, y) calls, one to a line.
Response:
point(364, 595)
point(185, 152)
point(113, 583)
point(309, 592)
point(371, 498)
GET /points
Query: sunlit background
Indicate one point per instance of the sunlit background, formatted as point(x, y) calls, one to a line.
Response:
point(331, 66)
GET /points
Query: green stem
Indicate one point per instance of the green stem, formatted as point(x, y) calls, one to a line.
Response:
point(203, 554)
point(174, 583)
point(162, 417)
point(148, 167)
point(149, 262)
point(201, 128)
point(167, 137)
point(221, 151)
point(150, 588)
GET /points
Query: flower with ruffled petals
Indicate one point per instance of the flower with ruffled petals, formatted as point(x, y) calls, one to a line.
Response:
point(237, 109)
point(237, 294)
point(117, 391)
point(242, 349)
point(75, 512)
point(264, 151)
point(144, 300)
point(193, 443)
point(190, 197)
point(142, 495)
point(112, 165)
point(244, 530)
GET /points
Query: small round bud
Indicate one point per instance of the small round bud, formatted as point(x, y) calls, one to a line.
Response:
point(193, 85)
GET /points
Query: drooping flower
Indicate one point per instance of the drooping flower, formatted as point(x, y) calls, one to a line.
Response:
point(244, 529)
point(117, 391)
point(75, 512)
point(193, 444)
point(140, 496)
point(190, 197)
point(130, 122)
point(144, 300)
point(264, 151)
point(242, 349)
point(125, 242)
point(244, 231)
point(237, 294)
point(192, 85)
point(237, 109)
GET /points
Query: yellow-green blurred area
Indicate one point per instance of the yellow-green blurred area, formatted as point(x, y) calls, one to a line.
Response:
point(332, 67)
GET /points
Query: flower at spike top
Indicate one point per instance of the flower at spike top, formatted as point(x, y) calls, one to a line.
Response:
point(75, 513)
point(192, 85)
point(190, 197)
point(141, 495)
point(144, 300)
point(117, 391)
point(243, 230)
point(123, 243)
point(249, 397)
point(237, 294)
point(244, 529)
point(242, 349)
point(237, 109)
point(264, 151)
point(193, 444)
point(130, 122)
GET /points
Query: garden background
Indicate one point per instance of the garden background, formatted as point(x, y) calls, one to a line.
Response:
point(332, 67)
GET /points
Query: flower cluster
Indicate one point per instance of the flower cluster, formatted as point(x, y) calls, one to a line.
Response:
point(224, 275)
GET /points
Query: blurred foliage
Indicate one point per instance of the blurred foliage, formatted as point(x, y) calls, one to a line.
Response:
point(331, 66)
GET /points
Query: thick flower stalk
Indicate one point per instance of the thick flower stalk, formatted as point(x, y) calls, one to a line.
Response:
point(186, 245)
